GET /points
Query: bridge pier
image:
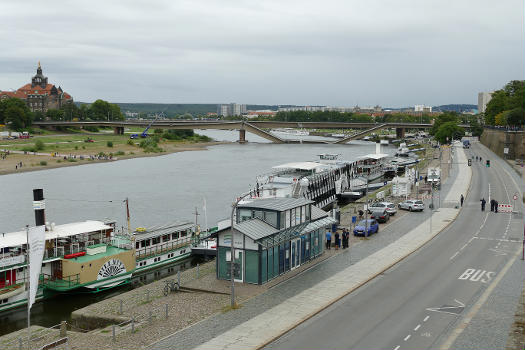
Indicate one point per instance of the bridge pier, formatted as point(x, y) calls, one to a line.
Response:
point(400, 133)
point(118, 130)
point(242, 136)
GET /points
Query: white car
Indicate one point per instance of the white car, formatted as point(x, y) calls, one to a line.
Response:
point(390, 207)
point(412, 205)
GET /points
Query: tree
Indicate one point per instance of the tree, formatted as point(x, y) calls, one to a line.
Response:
point(496, 105)
point(55, 114)
point(22, 111)
point(444, 118)
point(516, 117)
point(14, 117)
point(70, 111)
point(448, 131)
point(500, 119)
point(100, 110)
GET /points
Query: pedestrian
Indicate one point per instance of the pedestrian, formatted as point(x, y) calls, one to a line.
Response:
point(361, 214)
point(337, 240)
point(483, 202)
point(346, 235)
point(461, 199)
point(492, 205)
point(426, 178)
point(496, 206)
point(328, 239)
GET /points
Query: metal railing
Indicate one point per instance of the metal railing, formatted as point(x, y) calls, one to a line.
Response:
point(59, 283)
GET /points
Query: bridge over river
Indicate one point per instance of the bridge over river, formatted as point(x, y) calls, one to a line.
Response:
point(256, 127)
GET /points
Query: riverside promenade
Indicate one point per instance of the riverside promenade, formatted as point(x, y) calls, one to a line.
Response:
point(263, 328)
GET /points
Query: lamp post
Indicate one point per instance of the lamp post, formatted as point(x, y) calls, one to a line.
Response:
point(232, 249)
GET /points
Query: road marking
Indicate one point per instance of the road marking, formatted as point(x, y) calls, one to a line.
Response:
point(426, 319)
point(397, 347)
point(497, 251)
point(474, 310)
point(464, 246)
point(489, 192)
point(449, 309)
point(455, 254)
point(476, 275)
point(417, 327)
point(499, 239)
point(407, 337)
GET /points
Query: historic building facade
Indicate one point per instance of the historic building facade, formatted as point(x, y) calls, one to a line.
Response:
point(39, 95)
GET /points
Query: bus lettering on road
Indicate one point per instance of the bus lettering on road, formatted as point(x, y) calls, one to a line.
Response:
point(475, 275)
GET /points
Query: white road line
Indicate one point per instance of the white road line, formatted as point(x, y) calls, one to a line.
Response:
point(417, 327)
point(452, 257)
point(397, 347)
point(426, 318)
point(471, 239)
point(407, 337)
point(464, 246)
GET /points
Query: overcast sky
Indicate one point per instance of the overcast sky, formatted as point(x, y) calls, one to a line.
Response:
point(326, 52)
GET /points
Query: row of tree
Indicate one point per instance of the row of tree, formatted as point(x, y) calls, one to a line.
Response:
point(507, 106)
point(17, 116)
point(334, 116)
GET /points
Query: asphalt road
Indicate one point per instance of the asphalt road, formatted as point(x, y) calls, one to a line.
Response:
point(418, 303)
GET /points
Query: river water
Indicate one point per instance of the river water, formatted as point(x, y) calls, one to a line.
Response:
point(160, 190)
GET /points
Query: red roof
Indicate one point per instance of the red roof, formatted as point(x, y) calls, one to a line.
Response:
point(27, 89)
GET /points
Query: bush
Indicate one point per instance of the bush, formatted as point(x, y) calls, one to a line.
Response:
point(109, 143)
point(76, 147)
point(43, 163)
point(91, 128)
point(119, 153)
point(39, 145)
point(150, 145)
point(59, 161)
point(131, 143)
point(72, 160)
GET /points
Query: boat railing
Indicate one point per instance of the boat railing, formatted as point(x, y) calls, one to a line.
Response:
point(72, 248)
point(142, 253)
point(59, 283)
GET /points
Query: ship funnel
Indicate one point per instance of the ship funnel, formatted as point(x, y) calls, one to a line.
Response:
point(39, 207)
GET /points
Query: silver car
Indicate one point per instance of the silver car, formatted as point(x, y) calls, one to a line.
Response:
point(412, 205)
point(390, 207)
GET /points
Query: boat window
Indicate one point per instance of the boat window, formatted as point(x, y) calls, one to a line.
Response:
point(287, 221)
point(184, 233)
point(142, 244)
point(148, 242)
point(137, 245)
point(245, 214)
point(175, 235)
point(292, 220)
point(155, 240)
point(165, 238)
point(271, 218)
point(283, 219)
point(303, 209)
point(258, 214)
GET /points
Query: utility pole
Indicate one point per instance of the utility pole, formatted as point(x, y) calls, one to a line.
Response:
point(232, 250)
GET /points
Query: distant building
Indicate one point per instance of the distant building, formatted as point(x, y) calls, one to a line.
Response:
point(39, 95)
point(232, 109)
point(422, 108)
point(261, 113)
point(483, 99)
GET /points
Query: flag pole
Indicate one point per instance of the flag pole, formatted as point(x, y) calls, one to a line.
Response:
point(28, 291)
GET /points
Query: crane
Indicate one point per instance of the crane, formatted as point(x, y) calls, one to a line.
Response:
point(145, 132)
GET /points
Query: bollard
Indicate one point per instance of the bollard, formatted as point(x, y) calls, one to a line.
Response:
point(149, 316)
point(120, 311)
point(133, 324)
point(113, 332)
point(166, 310)
point(178, 278)
point(19, 343)
point(197, 270)
point(63, 329)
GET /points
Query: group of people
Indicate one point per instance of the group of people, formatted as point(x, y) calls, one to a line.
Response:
point(493, 205)
point(343, 238)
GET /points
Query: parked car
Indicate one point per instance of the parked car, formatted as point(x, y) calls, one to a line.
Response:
point(412, 205)
point(370, 226)
point(389, 206)
point(381, 215)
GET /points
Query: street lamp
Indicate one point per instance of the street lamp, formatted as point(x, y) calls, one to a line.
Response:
point(232, 248)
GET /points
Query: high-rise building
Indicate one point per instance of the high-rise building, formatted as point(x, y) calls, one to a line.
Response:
point(232, 109)
point(483, 99)
point(422, 108)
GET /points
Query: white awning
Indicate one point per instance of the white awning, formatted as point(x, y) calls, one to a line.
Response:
point(299, 165)
point(15, 239)
point(374, 156)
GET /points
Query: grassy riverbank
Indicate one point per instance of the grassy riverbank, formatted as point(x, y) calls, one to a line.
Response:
point(52, 150)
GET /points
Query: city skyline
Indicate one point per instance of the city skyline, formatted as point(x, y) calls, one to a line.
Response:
point(303, 53)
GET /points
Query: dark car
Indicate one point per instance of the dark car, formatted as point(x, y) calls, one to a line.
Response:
point(381, 215)
point(366, 227)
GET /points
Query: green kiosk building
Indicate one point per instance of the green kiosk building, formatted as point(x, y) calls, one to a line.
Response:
point(272, 236)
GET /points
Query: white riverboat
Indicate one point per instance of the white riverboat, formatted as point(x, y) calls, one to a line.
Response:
point(290, 132)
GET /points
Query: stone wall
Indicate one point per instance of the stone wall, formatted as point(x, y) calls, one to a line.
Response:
point(496, 140)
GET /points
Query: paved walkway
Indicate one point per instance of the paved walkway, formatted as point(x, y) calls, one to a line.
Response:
point(297, 307)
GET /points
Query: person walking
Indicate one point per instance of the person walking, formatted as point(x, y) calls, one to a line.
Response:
point(337, 240)
point(461, 199)
point(483, 202)
point(496, 206)
point(328, 239)
point(492, 205)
